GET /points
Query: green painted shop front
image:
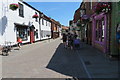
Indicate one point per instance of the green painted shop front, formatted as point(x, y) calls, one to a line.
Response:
point(114, 48)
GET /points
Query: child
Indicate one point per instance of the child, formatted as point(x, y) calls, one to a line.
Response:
point(19, 40)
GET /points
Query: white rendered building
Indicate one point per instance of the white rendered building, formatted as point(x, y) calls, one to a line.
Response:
point(45, 25)
point(18, 23)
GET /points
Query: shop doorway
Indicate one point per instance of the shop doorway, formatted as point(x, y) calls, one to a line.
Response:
point(32, 34)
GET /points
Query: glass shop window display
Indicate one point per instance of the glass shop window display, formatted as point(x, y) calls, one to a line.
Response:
point(22, 33)
point(36, 33)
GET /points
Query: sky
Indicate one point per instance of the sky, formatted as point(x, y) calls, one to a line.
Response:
point(60, 11)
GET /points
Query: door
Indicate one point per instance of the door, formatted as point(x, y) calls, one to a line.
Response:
point(32, 37)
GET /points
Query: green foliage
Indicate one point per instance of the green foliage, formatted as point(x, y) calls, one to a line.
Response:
point(13, 6)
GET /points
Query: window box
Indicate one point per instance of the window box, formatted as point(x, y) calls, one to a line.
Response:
point(35, 16)
point(102, 7)
point(14, 6)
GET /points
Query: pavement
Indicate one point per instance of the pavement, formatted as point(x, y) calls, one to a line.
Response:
point(49, 59)
point(30, 61)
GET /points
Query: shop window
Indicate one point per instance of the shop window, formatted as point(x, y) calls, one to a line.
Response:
point(103, 27)
point(22, 33)
point(41, 33)
point(28, 33)
point(37, 33)
point(100, 30)
point(34, 33)
point(46, 23)
point(21, 10)
point(42, 21)
point(91, 5)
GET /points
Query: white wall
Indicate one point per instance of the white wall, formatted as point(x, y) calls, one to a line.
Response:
point(45, 28)
point(0, 22)
point(3, 19)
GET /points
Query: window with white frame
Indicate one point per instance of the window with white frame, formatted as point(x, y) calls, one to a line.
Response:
point(91, 5)
point(46, 23)
point(42, 21)
point(22, 33)
point(21, 10)
point(100, 30)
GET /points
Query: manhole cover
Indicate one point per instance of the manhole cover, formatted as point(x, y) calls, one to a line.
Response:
point(87, 62)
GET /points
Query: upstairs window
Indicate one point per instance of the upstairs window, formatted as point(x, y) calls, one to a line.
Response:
point(42, 21)
point(21, 10)
point(46, 23)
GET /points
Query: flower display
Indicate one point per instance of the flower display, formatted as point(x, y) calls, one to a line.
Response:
point(79, 24)
point(13, 6)
point(35, 16)
point(102, 7)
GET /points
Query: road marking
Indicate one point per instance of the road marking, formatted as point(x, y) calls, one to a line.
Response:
point(89, 76)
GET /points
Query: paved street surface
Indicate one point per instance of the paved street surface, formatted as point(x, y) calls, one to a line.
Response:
point(51, 60)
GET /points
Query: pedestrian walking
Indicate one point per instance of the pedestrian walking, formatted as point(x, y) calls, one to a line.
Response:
point(64, 38)
point(19, 40)
point(70, 39)
point(76, 43)
point(75, 35)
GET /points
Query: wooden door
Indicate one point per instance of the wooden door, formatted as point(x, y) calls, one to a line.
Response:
point(32, 37)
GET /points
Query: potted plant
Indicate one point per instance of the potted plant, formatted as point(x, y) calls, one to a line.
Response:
point(102, 7)
point(35, 16)
point(13, 6)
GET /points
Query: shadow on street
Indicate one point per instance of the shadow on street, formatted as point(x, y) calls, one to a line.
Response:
point(87, 62)
point(67, 62)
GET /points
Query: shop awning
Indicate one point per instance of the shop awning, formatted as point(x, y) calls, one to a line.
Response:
point(21, 25)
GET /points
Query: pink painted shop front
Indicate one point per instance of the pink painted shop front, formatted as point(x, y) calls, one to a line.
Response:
point(99, 30)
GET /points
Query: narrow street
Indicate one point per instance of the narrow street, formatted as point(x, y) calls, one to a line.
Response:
point(49, 59)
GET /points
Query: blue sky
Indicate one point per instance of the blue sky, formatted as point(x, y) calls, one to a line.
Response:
point(60, 11)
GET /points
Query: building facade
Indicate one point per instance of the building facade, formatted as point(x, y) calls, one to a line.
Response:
point(17, 23)
point(99, 28)
point(55, 29)
point(24, 21)
point(45, 24)
point(115, 27)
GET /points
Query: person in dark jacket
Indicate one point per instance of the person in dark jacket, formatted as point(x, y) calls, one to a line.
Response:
point(64, 37)
point(70, 40)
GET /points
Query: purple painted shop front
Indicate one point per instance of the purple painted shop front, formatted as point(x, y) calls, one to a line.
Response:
point(95, 19)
